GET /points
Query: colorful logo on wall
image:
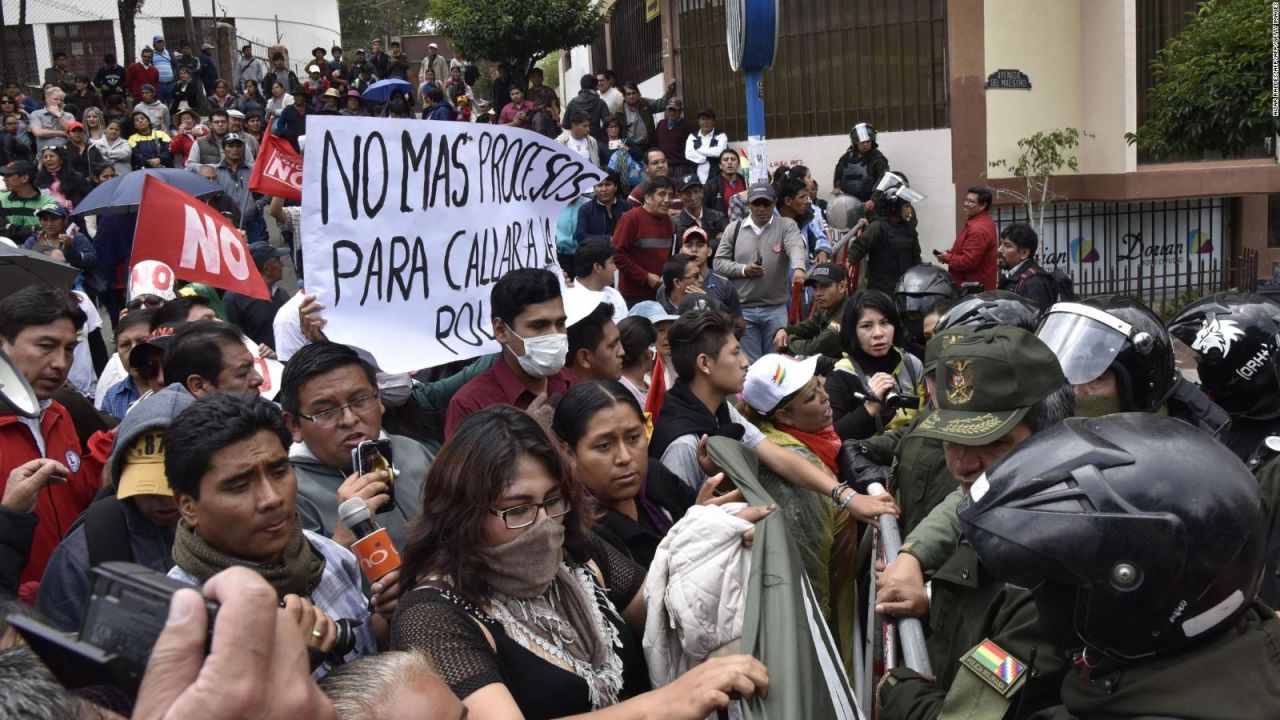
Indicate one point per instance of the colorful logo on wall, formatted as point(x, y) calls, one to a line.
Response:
point(1199, 243)
point(1082, 250)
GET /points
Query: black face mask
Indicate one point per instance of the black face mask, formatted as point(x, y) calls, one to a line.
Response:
point(914, 341)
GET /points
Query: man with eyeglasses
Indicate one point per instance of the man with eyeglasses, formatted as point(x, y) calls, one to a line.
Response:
point(331, 405)
point(656, 165)
point(759, 254)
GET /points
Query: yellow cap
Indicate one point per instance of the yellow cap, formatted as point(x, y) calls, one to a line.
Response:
point(144, 468)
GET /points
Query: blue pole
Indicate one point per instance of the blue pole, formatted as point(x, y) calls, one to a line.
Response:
point(754, 86)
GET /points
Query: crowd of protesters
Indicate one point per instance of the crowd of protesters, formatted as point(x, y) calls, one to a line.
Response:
point(571, 512)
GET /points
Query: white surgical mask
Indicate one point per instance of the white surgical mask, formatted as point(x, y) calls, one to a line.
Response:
point(543, 355)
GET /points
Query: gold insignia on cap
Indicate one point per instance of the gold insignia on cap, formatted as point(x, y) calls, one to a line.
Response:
point(959, 382)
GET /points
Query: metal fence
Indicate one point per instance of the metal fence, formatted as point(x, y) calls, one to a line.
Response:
point(637, 42)
point(838, 62)
point(1156, 251)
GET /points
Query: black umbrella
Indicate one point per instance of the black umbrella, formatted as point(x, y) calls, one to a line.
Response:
point(21, 268)
point(123, 193)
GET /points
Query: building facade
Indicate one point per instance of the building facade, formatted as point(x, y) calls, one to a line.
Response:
point(920, 72)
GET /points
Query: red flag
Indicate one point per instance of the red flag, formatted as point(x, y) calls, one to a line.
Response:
point(193, 239)
point(657, 389)
point(277, 170)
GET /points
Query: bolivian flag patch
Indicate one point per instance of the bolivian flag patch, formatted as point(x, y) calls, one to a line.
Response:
point(998, 668)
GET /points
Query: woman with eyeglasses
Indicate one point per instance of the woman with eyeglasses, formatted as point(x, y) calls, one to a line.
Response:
point(517, 603)
point(639, 351)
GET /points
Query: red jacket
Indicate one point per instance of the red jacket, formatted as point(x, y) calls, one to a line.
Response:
point(643, 242)
point(972, 257)
point(58, 505)
point(135, 76)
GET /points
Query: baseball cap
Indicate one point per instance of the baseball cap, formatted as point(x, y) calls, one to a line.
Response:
point(826, 273)
point(707, 112)
point(433, 45)
point(232, 138)
point(579, 303)
point(934, 347)
point(675, 103)
point(760, 190)
point(53, 208)
point(773, 378)
point(235, 113)
point(207, 46)
point(144, 467)
point(692, 231)
point(74, 125)
point(17, 167)
point(157, 38)
point(688, 181)
point(652, 311)
point(158, 340)
point(262, 252)
point(987, 382)
point(147, 87)
point(332, 92)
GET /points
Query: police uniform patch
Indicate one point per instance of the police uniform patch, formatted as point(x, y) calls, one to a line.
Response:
point(999, 669)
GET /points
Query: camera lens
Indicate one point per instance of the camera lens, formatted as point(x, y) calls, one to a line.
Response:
point(345, 638)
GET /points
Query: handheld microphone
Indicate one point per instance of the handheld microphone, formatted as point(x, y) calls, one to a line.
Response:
point(373, 546)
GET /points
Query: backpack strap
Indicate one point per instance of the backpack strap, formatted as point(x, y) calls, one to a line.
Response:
point(1023, 276)
point(107, 532)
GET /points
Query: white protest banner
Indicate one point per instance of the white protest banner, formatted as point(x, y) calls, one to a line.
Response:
point(408, 223)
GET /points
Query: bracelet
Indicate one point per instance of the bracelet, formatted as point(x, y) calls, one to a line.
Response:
point(835, 491)
point(847, 499)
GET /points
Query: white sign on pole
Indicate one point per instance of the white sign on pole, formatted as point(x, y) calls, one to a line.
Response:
point(409, 223)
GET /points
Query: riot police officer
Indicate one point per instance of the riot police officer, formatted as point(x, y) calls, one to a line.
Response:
point(1233, 338)
point(890, 242)
point(1141, 539)
point(917, 293)
point(859, 170)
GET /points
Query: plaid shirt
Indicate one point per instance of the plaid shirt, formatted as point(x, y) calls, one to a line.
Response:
point(338, 594)
point(119, 397)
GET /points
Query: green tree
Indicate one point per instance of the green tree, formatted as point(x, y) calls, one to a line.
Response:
point(1042, 156)
point(519, 32)
point(1212, 89)
point(363, 20)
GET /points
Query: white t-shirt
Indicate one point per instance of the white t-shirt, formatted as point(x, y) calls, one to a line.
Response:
point(288, 329)
point(581, 147)
point(82, 376)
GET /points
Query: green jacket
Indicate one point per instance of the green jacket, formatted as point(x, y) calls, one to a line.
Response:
point(921, 479)
point(933, 539)
point(819, 334)
point(434, 397)
point(969, 607)
point(1233, 677)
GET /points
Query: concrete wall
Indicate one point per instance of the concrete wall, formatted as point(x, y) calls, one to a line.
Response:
point(924, 155)
point(1080, 58)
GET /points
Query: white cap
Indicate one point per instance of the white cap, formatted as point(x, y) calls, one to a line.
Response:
point(151, 277)
point(774, 377)
point(433, 45)
point(580, 302)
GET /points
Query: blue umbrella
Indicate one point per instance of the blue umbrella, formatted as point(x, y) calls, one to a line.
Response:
point(122, 194)
point(382, 90)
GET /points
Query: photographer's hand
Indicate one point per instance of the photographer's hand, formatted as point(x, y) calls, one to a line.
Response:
point(257, 666)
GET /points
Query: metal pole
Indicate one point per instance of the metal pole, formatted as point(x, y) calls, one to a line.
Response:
point(191, 26)
point(910, 629)
point(756, 156)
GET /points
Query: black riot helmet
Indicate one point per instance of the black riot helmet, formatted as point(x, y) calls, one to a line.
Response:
point(1236, 341)
point(922, 286)
point(1137, 534)
point(1114, 333)
point(989, 309)
point(861, 133)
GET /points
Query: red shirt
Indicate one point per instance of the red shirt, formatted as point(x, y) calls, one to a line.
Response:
point(496, 386)
point(509, 112)
point(135, 76)
point(57, 506)
point(643, 242)
point(972, 257)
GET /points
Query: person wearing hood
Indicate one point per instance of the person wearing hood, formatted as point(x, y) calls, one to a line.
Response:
point(331, 404)
point(588, 103)
point(859, 170)
point(135, 524)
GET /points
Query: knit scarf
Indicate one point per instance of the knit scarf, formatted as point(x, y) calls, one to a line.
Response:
point(825, 443)
point(297, 573)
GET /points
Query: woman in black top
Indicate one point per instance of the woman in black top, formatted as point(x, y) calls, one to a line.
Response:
point(602, 426)
point(874, 367)
point(515, 601)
